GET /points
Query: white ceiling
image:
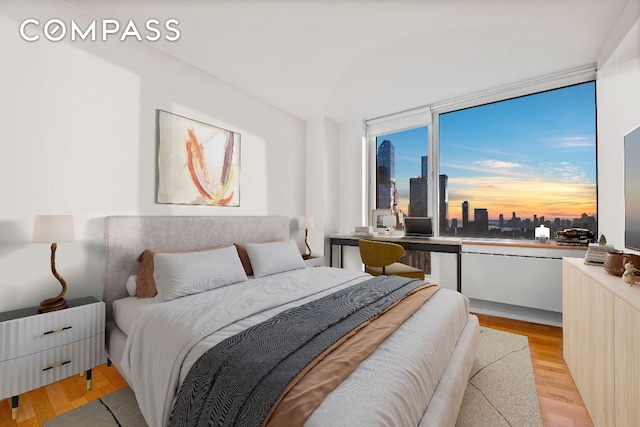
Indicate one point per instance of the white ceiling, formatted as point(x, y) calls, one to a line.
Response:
point(349, 60)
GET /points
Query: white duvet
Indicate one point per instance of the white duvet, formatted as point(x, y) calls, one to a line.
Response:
point(392, 387)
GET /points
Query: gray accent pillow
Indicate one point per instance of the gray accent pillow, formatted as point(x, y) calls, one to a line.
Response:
point(274, 257)
point(180, 274)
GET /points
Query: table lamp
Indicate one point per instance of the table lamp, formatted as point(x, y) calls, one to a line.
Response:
point(53, 229)
point(306, 222)
point(542, 234)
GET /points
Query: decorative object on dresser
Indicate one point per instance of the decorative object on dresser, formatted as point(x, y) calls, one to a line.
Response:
point(42, 348)
point(306, 222)
point(53, 229)
point(597, 252)
point(629, 275)
point(198, 163)
point(615, 261)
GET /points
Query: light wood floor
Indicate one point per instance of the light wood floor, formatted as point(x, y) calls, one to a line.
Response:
point(560, 402)
point(559, 399)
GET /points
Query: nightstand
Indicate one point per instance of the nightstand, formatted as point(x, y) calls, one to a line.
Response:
point(41, 348)
point(315, 261)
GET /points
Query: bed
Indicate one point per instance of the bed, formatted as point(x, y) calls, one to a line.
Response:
point(416, 376)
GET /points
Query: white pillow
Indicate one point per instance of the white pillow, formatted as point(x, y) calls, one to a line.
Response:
point(131, 285)
point(274, 257)
point(180, 274)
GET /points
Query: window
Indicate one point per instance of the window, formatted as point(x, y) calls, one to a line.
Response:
point(401, 172)
point(495, 164)
point(397, 145)
point(513, 165)
point(402, 181)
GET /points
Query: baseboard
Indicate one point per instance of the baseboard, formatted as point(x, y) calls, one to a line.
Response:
point(516, 312)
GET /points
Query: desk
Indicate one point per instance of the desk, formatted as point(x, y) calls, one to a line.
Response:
point(439, 244)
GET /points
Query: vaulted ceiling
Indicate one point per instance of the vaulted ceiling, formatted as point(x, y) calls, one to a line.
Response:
point(356, 59)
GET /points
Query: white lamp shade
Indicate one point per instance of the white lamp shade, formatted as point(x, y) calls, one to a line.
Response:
point(53, 229)
point(542, 232)
point(305, 222)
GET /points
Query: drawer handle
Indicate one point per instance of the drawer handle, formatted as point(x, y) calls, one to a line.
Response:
point(57, 330)
point(57, 365)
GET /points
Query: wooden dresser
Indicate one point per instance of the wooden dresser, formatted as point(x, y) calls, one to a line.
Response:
point(38, 349)
point(601, 336)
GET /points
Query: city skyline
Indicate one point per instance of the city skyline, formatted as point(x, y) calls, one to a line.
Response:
point(533, 155)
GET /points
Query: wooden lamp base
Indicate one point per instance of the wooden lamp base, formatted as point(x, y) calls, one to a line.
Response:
point(56, 303)
point(306, 256)
point(52, 304)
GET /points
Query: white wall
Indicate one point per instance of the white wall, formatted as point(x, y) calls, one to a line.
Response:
point(350, 192)
point(618, 91)
point(323, 182)
point(79, 137)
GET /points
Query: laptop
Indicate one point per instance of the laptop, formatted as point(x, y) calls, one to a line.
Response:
point(418, 226)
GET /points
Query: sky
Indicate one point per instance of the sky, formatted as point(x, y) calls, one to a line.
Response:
point(529, 155)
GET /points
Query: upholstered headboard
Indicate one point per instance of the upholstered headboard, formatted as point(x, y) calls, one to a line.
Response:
point(127, 236)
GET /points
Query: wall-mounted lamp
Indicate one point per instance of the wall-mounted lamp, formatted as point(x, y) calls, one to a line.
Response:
point(306, 222)
point(53, 229)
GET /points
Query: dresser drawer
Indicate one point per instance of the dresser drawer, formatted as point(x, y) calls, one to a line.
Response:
point(29, 335)
point(35, 370)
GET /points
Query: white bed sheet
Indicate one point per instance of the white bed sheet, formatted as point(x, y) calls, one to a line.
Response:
point(393, 385)
point(127, 310)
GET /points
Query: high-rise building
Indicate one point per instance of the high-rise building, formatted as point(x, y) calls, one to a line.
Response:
point(424, 170)
point(444, 202)
point(481, 220)
point(418, 192)
point(465, 215)
point(501, 220)
point(385, 175)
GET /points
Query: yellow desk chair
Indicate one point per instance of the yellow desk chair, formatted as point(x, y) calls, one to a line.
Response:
point(381, 258)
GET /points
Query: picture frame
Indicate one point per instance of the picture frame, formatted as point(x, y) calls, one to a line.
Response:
point(198, 163)
point(376, 219)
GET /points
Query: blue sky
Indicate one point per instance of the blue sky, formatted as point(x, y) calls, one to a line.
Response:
point(531, 155)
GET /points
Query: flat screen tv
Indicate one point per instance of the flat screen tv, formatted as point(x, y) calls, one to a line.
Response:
point(632, 189)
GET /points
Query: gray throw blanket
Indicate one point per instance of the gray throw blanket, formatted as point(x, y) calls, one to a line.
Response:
point(236, 382)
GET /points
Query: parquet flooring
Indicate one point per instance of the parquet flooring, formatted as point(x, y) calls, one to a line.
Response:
point(48, 402)
point(560, 402)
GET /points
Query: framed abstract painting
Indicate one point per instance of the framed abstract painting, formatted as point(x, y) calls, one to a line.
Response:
point(198, 163)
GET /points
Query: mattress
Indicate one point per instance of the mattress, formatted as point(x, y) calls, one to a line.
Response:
point(127, 310)
point(394, 384)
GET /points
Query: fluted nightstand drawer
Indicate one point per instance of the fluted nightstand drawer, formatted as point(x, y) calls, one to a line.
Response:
point(28, 335)
point(29, 372)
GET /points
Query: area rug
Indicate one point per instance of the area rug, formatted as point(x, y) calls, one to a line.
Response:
point(500, 392)
point(502, 389)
